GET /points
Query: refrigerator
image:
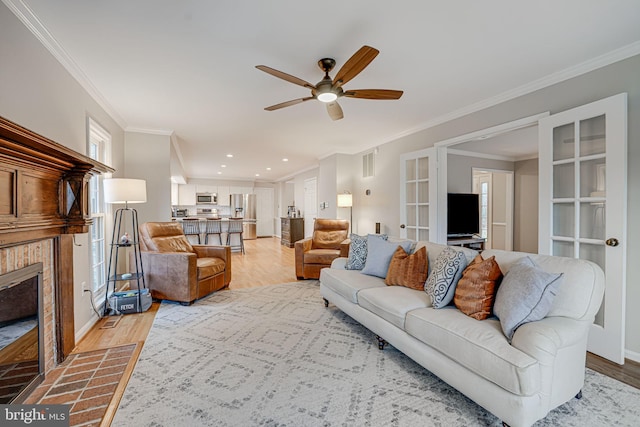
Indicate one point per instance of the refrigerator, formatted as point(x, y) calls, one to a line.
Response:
point(244, 206)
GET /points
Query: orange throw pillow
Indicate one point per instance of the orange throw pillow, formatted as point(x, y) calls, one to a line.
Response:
point(476, 289)
point(408, 270)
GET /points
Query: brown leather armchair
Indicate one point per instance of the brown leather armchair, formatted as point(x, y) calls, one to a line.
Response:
point(328, 242)
point(178, 271)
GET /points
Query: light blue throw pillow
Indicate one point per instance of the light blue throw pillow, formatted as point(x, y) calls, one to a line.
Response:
point(379, 254)
point(447, 270)
point(358, 250)
point(525, 295)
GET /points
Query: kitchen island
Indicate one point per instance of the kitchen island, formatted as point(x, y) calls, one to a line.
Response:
point(234, 242)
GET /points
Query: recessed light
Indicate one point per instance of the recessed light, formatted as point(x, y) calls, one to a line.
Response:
point(223, 166)
point(268, 169)
point(285, 160)
point(229, 155)
point(257, 174)
point(219, 172)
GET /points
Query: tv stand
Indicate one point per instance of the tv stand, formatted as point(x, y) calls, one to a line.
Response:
point(473, 242)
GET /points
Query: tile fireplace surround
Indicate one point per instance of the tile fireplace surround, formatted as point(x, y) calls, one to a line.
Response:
point(43, 202)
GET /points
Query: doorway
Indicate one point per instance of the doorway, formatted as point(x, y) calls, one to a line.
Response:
point(310, 205)
point(495, 188)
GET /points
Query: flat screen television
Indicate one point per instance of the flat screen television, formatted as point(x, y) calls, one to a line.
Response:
point(463, 215)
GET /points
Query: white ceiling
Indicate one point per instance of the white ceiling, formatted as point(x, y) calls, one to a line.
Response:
point(189, 66)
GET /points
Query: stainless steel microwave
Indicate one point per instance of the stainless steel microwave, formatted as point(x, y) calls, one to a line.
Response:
point(206, 199)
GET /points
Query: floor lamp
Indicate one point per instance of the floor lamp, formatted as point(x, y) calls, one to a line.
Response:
point(345, 200)
point(119, 191)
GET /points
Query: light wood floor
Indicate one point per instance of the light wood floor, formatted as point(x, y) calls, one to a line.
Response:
point(266, 262)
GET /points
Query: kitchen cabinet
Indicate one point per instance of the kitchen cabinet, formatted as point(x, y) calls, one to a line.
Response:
point(206, 189)
point(223, 195)
point(187, 195)
point(241, 190)
point(174, 194)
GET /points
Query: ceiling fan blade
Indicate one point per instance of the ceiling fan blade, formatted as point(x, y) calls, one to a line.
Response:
point(374, 93)
point(355, 65)
point(285, 76)
point(334, 110)
point(288, 103)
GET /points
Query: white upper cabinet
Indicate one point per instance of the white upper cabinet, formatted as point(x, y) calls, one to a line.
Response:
point(187, 195)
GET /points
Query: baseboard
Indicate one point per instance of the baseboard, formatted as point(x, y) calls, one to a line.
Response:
point(632, 355)
point(86, 328)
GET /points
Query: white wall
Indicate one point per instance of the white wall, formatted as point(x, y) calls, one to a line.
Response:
point(38, 93)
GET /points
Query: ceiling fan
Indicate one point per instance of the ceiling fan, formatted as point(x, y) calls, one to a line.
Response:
point(328, 90)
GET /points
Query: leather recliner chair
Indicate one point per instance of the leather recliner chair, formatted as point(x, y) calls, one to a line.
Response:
point(328, 242)
point(178, 271)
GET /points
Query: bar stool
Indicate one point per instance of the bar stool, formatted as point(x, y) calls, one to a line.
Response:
point(235, 227)
point(191, 227)
point(213, 226)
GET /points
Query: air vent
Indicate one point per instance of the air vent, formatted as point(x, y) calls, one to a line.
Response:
point(368, 165)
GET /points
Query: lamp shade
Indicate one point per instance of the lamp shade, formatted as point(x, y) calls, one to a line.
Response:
point(345, 200)
point(125, 190)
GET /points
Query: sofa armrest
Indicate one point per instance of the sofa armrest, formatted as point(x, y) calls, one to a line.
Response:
point(171, 275)
point(344, 248)
point(300, 247)
point(211, 251)
point(339, 263)
point(543, 339)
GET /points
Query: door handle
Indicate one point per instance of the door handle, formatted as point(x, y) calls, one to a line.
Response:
point(402, 225)
point(612, 242)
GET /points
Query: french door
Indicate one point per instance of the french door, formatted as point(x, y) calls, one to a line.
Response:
point(418, 193)
point(582, 204)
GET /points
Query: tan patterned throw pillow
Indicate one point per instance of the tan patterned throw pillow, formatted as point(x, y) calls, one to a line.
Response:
point(408, 270)
point(476, 290)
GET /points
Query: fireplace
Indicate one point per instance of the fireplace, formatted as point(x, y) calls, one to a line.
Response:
point(21, 332)
point(44, 200)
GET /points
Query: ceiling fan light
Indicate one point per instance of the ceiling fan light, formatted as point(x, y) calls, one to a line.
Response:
point(327, 97)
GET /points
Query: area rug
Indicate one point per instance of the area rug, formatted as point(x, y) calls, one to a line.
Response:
point(275, 356)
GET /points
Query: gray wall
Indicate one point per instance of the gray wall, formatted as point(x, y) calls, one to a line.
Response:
point(148, 157)
point(460, 171)
point(525, 214)
point(38, 93)
point(616, 78)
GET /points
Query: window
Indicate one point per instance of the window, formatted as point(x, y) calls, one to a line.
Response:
point(99, 148)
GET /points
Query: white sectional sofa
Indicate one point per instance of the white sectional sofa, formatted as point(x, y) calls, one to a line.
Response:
point(518, 381)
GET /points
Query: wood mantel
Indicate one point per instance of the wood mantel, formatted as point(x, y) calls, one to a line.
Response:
point(44, 193)
point(44, 186)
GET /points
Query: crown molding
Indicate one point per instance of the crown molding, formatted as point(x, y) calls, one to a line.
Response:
point(37, 28)
point(568, 73)
point(163, 132)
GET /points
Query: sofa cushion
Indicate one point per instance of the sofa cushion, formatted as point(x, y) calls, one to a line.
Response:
point(480, 347)
point(358, 250)
point(408, 270)
point(329, 233)
point(444, 276)
point(321, 256)
point(348, 283)
point(526, 295)
point(379, 254)
point(476, 289)
point(208, 267)
point(393, 303)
